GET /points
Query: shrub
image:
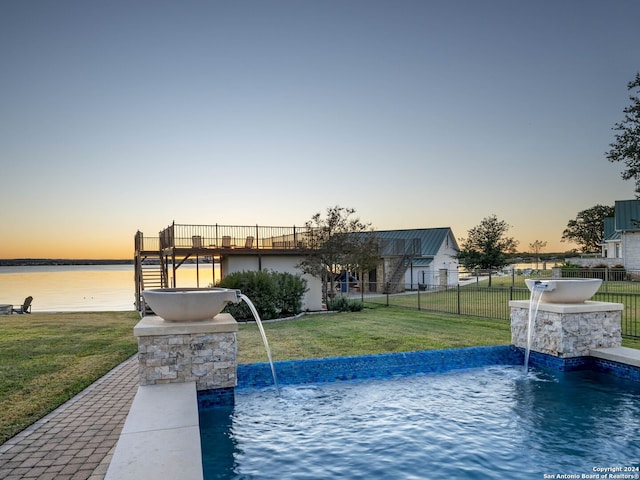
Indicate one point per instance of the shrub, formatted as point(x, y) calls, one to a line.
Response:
point(272, 293)
point(290, 290)
point(601, 271)
point(344, 304)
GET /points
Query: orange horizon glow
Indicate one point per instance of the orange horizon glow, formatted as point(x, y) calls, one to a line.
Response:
point(123, 249)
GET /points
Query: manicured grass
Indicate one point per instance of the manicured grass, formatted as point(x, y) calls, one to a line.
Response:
point(375, 330)
point(478, 299)
point(45, 359)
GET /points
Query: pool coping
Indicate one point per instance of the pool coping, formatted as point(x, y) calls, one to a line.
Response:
point(624, 355)
point(161, 436)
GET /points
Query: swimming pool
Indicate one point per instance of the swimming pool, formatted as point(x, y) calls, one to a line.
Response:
point(487, 422)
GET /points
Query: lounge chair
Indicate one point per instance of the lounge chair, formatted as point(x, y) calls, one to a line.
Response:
point(25, 307)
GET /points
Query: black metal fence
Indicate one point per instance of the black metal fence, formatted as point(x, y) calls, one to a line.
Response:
point(490, 302)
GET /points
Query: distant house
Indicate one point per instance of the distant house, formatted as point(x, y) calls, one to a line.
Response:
point(621, 237)
point(411, 259)
point(611, 243)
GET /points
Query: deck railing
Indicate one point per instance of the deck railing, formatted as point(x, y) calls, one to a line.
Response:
point(146, 244)
point(233, 236)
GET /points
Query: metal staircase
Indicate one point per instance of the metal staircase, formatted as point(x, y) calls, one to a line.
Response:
point(397, 275)
point(150, 273)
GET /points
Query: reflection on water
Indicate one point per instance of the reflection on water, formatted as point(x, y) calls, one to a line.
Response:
point(85, 288)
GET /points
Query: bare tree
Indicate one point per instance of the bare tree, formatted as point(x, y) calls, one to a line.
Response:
point(536, 247)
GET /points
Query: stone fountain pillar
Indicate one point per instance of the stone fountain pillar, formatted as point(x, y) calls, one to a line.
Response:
point(178, 352)
point(567, 330)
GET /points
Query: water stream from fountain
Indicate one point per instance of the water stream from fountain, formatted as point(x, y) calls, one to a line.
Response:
point(264, 337)
point(536, 296)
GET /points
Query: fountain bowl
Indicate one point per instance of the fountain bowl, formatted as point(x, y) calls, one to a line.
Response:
point(189, 304)
point(566, 290)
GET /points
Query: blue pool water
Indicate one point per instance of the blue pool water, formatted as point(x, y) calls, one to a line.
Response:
point(492, 422)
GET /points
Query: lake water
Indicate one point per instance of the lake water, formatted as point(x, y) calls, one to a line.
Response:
point(95, 288)
point(85, 288)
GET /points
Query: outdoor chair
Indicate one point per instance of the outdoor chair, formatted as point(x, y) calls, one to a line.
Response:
point(25, 307)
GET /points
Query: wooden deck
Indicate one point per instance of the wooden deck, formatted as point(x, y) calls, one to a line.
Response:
point(178, 243)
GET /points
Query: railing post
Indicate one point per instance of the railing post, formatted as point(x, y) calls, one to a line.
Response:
point(387, 290)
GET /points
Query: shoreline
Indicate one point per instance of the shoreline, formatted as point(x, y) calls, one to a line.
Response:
point(28, 262)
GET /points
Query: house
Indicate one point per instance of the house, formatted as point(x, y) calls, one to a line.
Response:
point(621, 235)
point(611, 240)
point(411, 259)
point(408, 259)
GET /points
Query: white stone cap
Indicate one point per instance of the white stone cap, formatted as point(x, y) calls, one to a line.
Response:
point(153, 325)
point(585, 307)
point(628, 356)
point(161, 436)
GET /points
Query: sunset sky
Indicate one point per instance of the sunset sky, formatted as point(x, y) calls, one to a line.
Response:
point(117, 116)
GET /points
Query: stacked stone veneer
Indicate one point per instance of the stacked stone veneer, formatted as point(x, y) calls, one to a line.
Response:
point(567, 330)
point(175, 352)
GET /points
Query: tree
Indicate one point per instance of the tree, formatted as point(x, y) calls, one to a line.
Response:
point(587, 228)
point(626, 147)
point(487, 246)
point(536, 247)
point(338, 243)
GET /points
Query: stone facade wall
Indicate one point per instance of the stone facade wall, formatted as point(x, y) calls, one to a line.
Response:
point(209, 359)
point(567, 334)
point(631, 250)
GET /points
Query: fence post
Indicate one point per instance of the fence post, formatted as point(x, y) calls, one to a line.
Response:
point(418, 297)
point(459, 309)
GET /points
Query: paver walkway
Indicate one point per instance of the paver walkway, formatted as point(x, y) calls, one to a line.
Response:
point(75, 441)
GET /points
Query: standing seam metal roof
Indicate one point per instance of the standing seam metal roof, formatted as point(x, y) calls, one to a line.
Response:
point(627, 215)
point(430, 240)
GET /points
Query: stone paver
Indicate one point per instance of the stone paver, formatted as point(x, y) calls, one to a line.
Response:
point(77, 440)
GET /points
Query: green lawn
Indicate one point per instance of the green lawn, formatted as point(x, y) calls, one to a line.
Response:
point(478, 299)
point(45, 359)
point(376, 330)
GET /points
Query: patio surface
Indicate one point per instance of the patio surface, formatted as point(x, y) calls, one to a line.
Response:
point(75, 441)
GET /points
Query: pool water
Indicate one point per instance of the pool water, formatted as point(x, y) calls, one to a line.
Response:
point(484, 423)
